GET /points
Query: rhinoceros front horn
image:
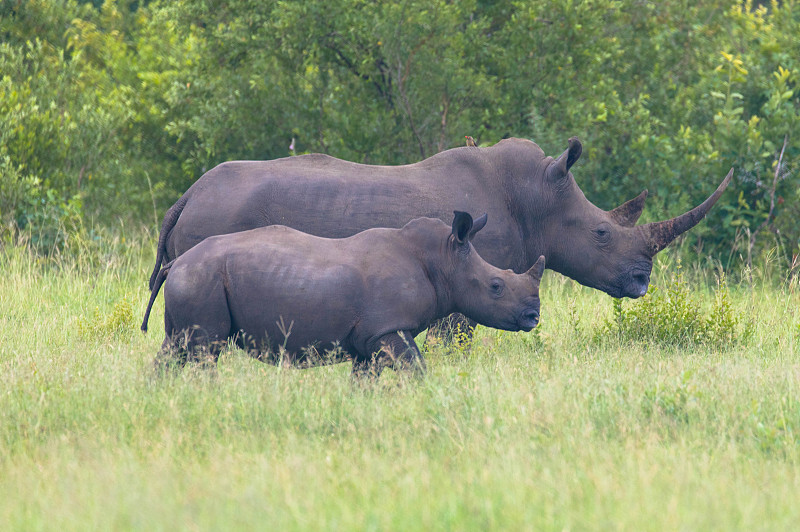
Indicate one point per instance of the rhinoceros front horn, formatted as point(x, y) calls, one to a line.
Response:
point(660, 234)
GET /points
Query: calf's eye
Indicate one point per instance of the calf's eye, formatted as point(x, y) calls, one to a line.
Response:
point(496, 286)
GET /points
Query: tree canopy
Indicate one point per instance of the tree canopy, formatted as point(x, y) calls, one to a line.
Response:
point(109, 110)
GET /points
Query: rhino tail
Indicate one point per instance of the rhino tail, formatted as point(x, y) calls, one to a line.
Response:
point(170, 219)
point(157, 282)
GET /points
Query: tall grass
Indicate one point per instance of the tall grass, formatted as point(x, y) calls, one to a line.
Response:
point(549, 430)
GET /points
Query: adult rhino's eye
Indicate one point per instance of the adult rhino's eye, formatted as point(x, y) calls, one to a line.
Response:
point(603, 233)
point(496, 286)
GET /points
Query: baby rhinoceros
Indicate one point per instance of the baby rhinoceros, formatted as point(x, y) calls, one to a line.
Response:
point(292, 298)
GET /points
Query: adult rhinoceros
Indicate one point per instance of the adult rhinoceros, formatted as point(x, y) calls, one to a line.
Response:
point(535, 204)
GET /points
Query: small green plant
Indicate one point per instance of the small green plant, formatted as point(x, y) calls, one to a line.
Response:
point(534, 340)
point(574, 317)
point(118, 322)
point(673, 315)
point(463, 338)
point(772, 429)
point(454, 333)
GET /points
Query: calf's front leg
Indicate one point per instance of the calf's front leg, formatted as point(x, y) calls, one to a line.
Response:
point(396, 350)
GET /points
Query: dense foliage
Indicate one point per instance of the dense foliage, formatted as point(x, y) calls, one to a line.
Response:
point(111, 111)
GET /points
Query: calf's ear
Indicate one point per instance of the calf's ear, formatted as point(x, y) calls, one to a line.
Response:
point(478, 224)
point(462, 225)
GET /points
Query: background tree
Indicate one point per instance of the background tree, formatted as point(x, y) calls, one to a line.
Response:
point(111, 110)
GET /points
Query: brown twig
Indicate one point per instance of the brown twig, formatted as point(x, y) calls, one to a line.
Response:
point(771, 213)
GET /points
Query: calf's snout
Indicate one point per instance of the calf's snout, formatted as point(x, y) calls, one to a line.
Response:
point(528, 319)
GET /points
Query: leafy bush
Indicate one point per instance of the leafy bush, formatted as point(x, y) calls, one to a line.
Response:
point(56, 137)
point(117, 109)
point(675, 315)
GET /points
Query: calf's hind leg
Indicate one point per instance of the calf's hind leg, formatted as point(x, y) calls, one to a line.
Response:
point(197, 326)
point(396, 350)
point(193, 344)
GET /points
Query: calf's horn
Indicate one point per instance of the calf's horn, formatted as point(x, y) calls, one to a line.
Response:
point(537, 270)
point(660, 234)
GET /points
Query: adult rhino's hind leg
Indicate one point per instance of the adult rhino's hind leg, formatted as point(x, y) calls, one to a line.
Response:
point(173, 354)
point(197, 315)
point(396, 350)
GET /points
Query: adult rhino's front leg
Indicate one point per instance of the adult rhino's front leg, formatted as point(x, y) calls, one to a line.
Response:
point(455, 329)
point(396, 350)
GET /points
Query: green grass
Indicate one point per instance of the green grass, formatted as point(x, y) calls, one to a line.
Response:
point(560, 429)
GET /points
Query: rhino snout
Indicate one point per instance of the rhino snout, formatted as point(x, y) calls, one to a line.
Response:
point(631, 282)
point(637, 287)
point(634, 285)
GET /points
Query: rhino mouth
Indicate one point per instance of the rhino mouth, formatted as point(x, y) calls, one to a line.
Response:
point(632, 284)
point(637, 284)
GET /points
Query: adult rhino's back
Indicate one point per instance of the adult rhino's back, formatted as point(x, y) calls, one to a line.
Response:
point(323, 196)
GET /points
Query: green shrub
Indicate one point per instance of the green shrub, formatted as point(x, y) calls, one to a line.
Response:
point(675, 315)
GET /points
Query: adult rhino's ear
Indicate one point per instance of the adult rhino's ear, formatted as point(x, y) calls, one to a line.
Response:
point(478, 224)
point(462, 225)
point(559, 169)
point(537, 270)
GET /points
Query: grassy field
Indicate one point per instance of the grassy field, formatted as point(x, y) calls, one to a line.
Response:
point(572, 427)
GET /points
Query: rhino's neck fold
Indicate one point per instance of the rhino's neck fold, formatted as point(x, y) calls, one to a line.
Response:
point(441, 284)
point(535, 231)
point(432, 251)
